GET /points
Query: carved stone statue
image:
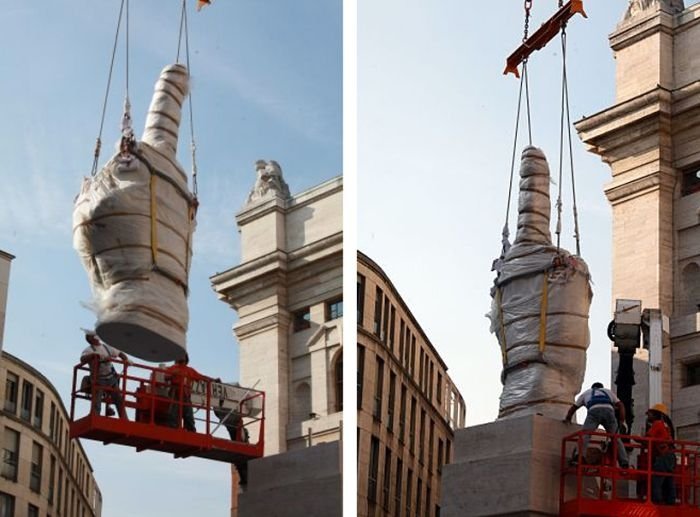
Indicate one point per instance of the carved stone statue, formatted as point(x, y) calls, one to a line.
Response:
point(269, 182)
point(636, 7)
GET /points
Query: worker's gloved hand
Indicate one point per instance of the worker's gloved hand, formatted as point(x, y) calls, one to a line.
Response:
point(623, 429)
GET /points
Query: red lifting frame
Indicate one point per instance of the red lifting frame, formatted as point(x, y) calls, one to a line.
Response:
point(605, 489)
point(543, 35)
point(147, 428)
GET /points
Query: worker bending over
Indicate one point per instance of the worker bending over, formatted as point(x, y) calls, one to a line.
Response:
point(600, 404)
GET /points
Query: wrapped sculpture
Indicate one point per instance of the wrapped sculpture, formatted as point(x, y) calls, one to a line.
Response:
point(132, 227)
point(540, 307)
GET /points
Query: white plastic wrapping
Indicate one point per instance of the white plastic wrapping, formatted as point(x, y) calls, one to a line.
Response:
point(132, 228)
point(542, 329)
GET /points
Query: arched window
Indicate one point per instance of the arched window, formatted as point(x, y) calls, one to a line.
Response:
point(302, 402)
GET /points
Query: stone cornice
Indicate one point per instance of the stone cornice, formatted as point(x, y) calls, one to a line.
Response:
point(326, 246)
point(245, 329)
point(278, 204)
point(260, 209)
point(625, 122)
point(625, 189)
point(6, 256)
point(635, 29)
point(276, 260)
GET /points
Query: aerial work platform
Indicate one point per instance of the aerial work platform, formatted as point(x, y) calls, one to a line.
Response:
point(229, 419)
point(597, 486)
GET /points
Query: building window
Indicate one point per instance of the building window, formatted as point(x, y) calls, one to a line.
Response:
point(398, 487)
point(402, 326)
point(392, 401)
point(377, 329)
point(339, 382)
point(60, 490)
point(440, 457)
point(373, 469)
point(412, 365)
point(430, 381)
point(385, 324)
point(428, 504)
point(438, 392)
point(301, 319)
point(360, 373)
point(448, 451)
point(431, 437)
point(52, 478)
point(412, 426)
point(386, 484)
point(7, 505)
point(27, 395)
point(419, 493)
point(52, 422)
point(11, 387)
point(409, 490)
point(392, 325)
point(334, 309)
point(360, 299)
point(32, 511)
point(691, 181)
point(378, 390)
point(35, 474)
point(421, 438)
point(10, 454)
point(39, 409)
point(692, 374)
point(402, 414)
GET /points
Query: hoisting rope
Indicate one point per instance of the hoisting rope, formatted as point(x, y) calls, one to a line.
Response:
point(128, 140)
point(193, 145)
point(565, 119)
point(98, 142)
point(524, 85)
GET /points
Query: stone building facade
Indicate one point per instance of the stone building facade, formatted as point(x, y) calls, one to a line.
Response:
point(407, 406)
point(650, 139)
point(44, 472)
point(288, 293)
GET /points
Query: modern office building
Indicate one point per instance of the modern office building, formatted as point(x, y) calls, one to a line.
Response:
point(407, 406)
point(43, 471)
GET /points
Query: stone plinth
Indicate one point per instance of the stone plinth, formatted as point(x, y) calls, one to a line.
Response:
point(507, 468)
point(300, 483)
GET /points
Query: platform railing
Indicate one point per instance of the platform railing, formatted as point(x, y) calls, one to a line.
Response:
point(595, 475)
point(150, 397)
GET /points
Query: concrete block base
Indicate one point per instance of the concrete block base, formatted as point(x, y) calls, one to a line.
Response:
point(505, 468)
point(301, 483)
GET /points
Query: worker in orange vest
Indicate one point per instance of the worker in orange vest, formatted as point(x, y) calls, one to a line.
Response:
point(663, 458)
point(181, 376)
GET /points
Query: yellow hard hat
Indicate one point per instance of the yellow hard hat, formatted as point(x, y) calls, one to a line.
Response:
point(660, 408)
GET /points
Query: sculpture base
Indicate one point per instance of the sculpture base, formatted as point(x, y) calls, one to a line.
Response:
point(138, 341)
point(505, 468)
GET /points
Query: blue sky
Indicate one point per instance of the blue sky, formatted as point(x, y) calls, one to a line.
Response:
point(435, 135)
point(266, 84)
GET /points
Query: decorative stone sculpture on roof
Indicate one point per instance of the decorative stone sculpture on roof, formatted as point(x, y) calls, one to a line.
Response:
point(269, 182)
point(637, 7)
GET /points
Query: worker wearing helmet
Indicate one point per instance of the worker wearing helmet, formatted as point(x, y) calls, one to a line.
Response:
point(100, 355)
point(181, 376)
point(600, 404)
point(663, 459)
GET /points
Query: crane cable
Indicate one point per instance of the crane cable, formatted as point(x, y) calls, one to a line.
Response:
point(193, 146)
point(565, 118)
point(98, 142)
point(524, 85)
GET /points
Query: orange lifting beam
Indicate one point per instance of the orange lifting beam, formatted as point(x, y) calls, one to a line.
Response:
point(543, 35)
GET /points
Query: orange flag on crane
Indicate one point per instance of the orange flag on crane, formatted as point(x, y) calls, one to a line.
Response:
point(202, 3)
